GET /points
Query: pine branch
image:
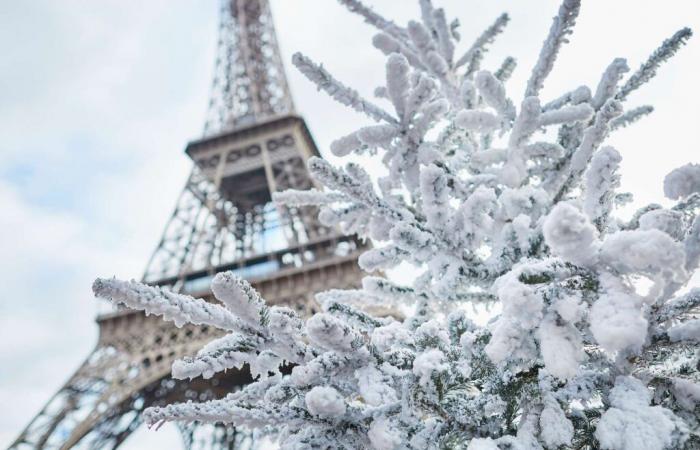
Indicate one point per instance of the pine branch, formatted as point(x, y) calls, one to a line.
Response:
point(647, 71)
point(562, 27)
point(479, 47)
point(338, 91)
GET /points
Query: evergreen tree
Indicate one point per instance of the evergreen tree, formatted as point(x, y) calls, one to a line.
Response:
point(596, 344)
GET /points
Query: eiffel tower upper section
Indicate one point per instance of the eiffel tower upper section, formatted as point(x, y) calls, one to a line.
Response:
point(253, 144)
point(249, 84)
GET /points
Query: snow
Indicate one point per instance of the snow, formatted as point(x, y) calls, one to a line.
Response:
point(480, 121)
point(511, 333)
point(433, 333)
point(570, 309)
point(556, 429)
point(494, 94)
point(346, 145)
point(600, 180)
point(617, 322)
point(687, 393)
point(561, 348)
point(648, 252)
point(631, 424)
point(607, 86)
point(428, 364)
point(294, 197)
point(375, 386)
point(330, 332)
point(682, 182)
point(218, 355)
point(570, 235)
point(433, 181)
point(561, 27)
point(377, 135)
point(385, 337)
point(384, 435)
point(324, 401)
point(666, 220)
point(566, 114)
point(180, 309)
point(239, 297)
point(527, 200)
point(594, 135)
point(265, 364)
point(688, 331)
point(337, 90)
point(482, 444)
point(397, 70)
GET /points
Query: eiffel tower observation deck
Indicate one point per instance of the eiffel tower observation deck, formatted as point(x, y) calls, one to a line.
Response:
point(253, 144)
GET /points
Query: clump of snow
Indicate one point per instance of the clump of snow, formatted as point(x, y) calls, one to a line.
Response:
point(687, 393)
point(649, 252)
point(265, 364)
point(238, 296)
point(384, 337)
point(687, 331)
point(666, 220)
point(561, 348)
point(570, 235)
point(556, 429)
point(522, 313)
point(477, 120)
point(383, 435)
point(330, 332)
point(570, 309)
point(682, 181)
point(218, 355)
point(433, 332)
point(600, 180)
point(427, 364)
point(617, 322)
point(325, 401)
point(374, 386)
point(631, 424)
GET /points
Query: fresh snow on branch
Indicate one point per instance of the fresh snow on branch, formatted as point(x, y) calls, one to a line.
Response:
point(647, 71)
point(562, 27)
point(319, 76)
point(473, 56)
point(494, 202)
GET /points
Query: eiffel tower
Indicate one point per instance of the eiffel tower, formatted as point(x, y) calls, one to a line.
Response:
point(253, 144)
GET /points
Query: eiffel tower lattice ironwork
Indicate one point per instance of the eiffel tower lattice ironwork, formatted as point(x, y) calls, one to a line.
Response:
point(253, 144)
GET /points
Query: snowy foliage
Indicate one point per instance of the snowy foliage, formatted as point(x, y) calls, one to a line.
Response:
point(495, 203)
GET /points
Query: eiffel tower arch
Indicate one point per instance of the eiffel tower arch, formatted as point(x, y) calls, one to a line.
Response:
point(253, 144)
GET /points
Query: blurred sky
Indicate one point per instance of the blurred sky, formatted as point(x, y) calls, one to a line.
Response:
point(98, 99)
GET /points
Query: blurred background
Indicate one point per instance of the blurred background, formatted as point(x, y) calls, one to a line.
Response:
point(98, 99)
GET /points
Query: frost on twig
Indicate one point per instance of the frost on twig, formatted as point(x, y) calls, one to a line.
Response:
point(631, 116)
point(338, 91)
point(647, 71)
point(562, 27)
point(473, 56)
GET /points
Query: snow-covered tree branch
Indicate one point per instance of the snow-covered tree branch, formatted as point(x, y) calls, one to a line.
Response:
point(596, 341)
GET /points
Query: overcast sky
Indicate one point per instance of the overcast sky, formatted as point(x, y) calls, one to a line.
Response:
point(98, 99)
